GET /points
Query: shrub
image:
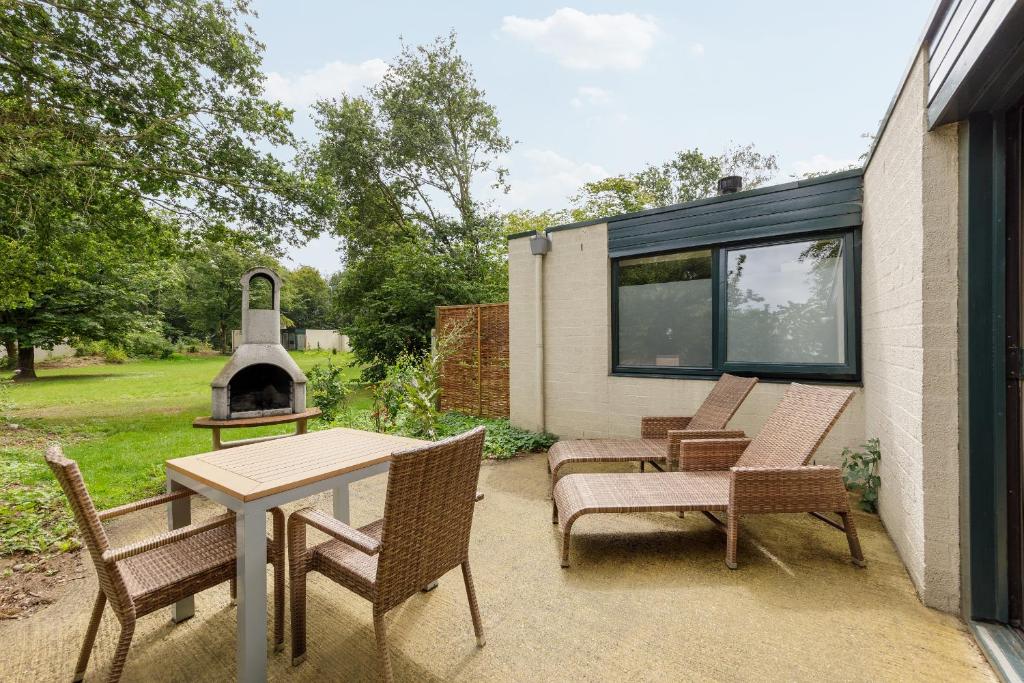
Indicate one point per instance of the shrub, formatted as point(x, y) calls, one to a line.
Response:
point(114, 354)
point(147, 343)
point(329, 390)
point(502, 440)
point(860, 473)
point(88, 348)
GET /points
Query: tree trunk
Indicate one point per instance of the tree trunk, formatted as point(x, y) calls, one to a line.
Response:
point(11, 346)
point(26, 362)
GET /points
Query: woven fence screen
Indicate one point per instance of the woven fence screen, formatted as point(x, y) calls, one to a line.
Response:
point(474, 377)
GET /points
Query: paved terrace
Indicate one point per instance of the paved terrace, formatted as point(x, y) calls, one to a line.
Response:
point(648, 598)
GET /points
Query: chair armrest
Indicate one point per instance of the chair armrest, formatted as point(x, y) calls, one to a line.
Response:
point(706, 454)
point(144, 503)
point(336, 529)
point(809, 488)
point(677, 436)
point(657, 427)
point(166, 538)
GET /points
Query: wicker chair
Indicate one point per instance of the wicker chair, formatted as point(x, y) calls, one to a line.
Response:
point(424, 534)
point(737, 476)
point(655, 444)
point(158, 572)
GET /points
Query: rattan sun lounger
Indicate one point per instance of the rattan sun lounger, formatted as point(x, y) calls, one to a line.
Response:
point(737, 476)
point(148, 575)
point(654, 444)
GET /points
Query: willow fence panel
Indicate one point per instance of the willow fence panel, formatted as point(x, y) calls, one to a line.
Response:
point(474, 376)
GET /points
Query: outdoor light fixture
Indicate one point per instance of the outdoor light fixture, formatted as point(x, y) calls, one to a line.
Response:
point(730, 184)
point(540, 244)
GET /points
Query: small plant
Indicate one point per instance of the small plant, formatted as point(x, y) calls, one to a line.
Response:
point(860, 473)
point(329, 390)
point(33, 518)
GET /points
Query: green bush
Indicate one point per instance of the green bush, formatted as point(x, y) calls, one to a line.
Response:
point(114, 354)
point(502, 440)
point(329, 390)
point(88, 348)
point(148, 343)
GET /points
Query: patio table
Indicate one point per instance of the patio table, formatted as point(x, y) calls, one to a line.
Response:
point(253, 478)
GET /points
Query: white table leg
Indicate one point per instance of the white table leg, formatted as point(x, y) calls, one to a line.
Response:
point(341, 508)
point(251, 563)
point(179, 514)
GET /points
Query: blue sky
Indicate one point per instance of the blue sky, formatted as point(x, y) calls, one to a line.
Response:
point(592, 89)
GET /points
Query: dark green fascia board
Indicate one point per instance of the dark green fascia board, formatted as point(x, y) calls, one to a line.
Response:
point(782, 187)
point(525, 233)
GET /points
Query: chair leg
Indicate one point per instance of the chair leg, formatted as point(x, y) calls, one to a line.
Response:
point(90, 636)
point(234, 590)
point(732, 530)
point(852, 540)
point(474, 607)
point(297, 588)
point(121, 654)
point(565, 545)
point(277, 519)
point(380, 631)
point(554, 511)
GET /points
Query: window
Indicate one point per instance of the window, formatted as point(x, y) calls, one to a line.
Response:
point(783, 308)
point(665, 311)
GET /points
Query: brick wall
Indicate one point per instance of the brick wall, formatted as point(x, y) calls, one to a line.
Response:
point(909, 321)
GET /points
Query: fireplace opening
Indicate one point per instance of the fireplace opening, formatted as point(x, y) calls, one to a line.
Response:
point(260, 389)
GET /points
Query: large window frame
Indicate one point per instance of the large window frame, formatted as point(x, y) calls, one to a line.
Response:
point(848, 371)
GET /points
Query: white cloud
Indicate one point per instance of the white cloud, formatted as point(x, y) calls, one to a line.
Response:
point(330, 80)
point(590, 94)
point(544, 179)
point(697, 49)
point(588, 41)
point(821, 163)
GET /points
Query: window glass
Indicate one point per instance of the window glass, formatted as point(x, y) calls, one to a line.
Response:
point(785, 303)
point(665, 311)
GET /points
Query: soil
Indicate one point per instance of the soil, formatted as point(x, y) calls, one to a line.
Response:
point(70, 362)
point(28, 583)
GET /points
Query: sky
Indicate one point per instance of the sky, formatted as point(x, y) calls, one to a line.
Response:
point(596, 88)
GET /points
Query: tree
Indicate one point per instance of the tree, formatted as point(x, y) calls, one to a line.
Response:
point(203, 293)
point(688, 176)
point(401, 166)
point(121, 122)
point(306, 300)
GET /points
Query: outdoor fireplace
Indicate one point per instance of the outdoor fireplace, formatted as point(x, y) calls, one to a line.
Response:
point(261, 379)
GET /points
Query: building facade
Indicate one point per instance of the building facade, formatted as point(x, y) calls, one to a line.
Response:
point(901, 279)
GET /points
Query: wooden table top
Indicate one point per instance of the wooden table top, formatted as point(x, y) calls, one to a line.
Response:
point(261, 469)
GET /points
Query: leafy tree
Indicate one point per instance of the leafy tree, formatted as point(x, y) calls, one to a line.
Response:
point(202, 296)
point(688, 176)
point(400, 166)
point(305, 299)
point(122, 122)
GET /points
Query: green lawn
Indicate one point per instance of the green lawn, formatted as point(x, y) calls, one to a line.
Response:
point(121, 422)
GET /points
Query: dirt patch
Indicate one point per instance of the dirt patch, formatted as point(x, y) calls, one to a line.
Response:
point(24, 436)
point(70, 362)
point(31, 582)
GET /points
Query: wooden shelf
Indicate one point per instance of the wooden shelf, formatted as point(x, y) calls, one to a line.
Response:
point(209, 422)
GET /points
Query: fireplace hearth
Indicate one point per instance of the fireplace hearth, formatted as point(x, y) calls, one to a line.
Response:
point(261, 379)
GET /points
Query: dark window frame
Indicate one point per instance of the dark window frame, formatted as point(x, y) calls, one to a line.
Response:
point(849, 371)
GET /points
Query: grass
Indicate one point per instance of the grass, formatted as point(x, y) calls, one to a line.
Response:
point(121, 422)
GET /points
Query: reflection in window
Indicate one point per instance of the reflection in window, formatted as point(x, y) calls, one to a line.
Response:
point(261, 292)
point(664, 316)
point(785, 303)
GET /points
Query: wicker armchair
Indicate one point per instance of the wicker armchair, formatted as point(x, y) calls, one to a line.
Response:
point(145, 576)
point(659, 436)
point(766, 474)
point(424, 534)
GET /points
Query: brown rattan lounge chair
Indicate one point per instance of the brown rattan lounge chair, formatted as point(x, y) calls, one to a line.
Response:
point(424, 534)
point(654, 443)
point(737, 476)
point(158, 572)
